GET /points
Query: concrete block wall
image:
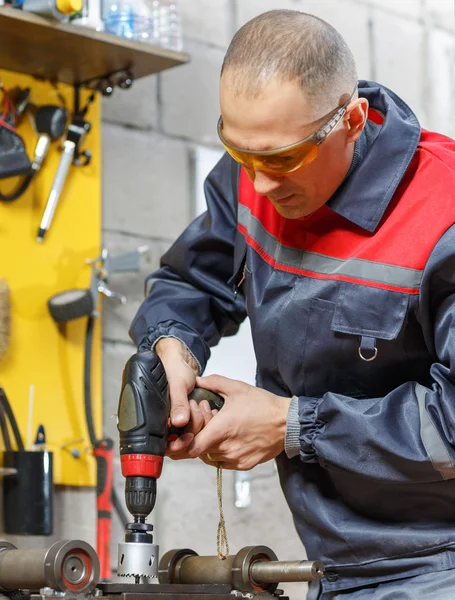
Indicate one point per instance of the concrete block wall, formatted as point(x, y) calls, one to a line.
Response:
point(149, 136)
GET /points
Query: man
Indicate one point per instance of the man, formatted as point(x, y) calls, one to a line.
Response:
point(331, 223)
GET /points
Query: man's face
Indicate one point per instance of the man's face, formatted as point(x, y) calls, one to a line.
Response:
point(278, 117)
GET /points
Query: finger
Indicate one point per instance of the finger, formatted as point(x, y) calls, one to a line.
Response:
point(196, 422)
point(210, 437)
point(215, 457)
point(180, 408)
point(214, 412)
point(206, 412)
point(226, 465)
point(179, 445)
point(219, 384)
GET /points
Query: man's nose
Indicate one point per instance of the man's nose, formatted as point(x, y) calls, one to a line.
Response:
point(265, 183)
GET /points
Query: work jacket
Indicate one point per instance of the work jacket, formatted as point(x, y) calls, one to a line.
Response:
point(352, 311)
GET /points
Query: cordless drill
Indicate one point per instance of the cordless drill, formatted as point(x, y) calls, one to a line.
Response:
point(143, 424)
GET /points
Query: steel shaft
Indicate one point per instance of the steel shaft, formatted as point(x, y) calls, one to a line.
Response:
point(205, 569)
point(252, 569)
point(282, 571)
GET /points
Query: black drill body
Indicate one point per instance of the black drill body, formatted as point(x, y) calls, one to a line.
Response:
point(143, 424)
point(143, 415)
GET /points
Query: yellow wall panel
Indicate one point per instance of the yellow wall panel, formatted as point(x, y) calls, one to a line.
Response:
point(40, 353)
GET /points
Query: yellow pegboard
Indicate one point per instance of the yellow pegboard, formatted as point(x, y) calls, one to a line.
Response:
point(40, 353)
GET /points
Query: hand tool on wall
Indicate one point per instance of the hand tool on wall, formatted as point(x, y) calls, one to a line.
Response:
point(27, 504)
point(5, 316)
point(74, 304)
point(50, 124)
point(143, 424)
point(13, 156)
point(76, 134)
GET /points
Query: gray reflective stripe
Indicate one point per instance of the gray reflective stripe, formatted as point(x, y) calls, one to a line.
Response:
point(431, 439)
point(326, 265)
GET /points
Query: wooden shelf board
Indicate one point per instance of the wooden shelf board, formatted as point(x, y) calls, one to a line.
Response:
point(73, 54)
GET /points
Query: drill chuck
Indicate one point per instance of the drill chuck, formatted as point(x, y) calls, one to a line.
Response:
point(140, 495)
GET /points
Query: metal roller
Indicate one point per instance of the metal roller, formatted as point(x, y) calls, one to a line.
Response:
point(67, 566)
point(285, 571)
point(253, 569)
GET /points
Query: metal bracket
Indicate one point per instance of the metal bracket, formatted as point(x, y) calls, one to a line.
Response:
point(106, 265)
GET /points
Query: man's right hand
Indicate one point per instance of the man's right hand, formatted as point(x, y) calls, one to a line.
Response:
point(181, 371)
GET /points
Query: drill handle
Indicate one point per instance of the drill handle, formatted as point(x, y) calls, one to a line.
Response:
point(198, 394)
point(215, 400)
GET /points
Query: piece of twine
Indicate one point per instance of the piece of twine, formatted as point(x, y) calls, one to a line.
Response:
point(222, 544)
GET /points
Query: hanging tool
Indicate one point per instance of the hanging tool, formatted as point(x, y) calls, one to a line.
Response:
point(75, 137)
point(8, 412)
point(143, 424)
point(74, 304)
point(50, 123)
point(13, 156)
point(5, 316)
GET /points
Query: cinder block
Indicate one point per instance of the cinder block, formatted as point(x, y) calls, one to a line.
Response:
point(395, 40)
point(440, 13)
point(117, 317)
point(441, 82)
point(208, 21)
point(354, 30)
point(407, 8)
point(75, 514)
point(189, 95)
point(136, 107)
point(146, 187)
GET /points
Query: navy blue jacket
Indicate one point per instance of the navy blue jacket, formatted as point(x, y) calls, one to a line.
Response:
point(372, 275)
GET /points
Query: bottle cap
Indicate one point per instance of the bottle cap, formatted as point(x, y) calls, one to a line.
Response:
point(67, 7)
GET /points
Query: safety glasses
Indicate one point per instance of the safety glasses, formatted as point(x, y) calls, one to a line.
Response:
point(288, 158)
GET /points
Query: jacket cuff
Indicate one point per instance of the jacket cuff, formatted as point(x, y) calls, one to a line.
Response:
point(292, 441)
point(310, 426)
point(187, 336)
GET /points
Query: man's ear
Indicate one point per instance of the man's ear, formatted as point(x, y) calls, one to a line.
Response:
point(357, 113)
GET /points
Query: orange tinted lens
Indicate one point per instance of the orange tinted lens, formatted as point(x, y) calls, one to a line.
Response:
point(280, 162)
point(246, 160)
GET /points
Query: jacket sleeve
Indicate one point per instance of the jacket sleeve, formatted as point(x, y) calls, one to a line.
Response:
point(190, 297)
point(408, 435)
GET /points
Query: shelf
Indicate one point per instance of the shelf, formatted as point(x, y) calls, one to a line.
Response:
point(73, 54)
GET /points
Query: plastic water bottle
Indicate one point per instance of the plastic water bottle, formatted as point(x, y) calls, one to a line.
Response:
point(170, 25)
point(130, 19)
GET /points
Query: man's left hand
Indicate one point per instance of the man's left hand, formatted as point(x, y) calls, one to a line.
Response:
point(250, 428)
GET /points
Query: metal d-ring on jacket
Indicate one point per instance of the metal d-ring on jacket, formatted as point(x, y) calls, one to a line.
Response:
point(371, 275)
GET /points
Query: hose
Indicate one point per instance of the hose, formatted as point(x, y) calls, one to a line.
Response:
point(88, 381)
point(88, 409)
point(5, 432)
point(21, 190)
point(9, 412)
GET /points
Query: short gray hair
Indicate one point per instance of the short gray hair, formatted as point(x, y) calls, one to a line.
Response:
point(291, 45)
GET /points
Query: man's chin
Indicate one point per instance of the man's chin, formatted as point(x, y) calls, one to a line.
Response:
point(292, 211)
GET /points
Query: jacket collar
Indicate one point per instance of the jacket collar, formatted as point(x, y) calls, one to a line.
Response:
point(365, 194)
